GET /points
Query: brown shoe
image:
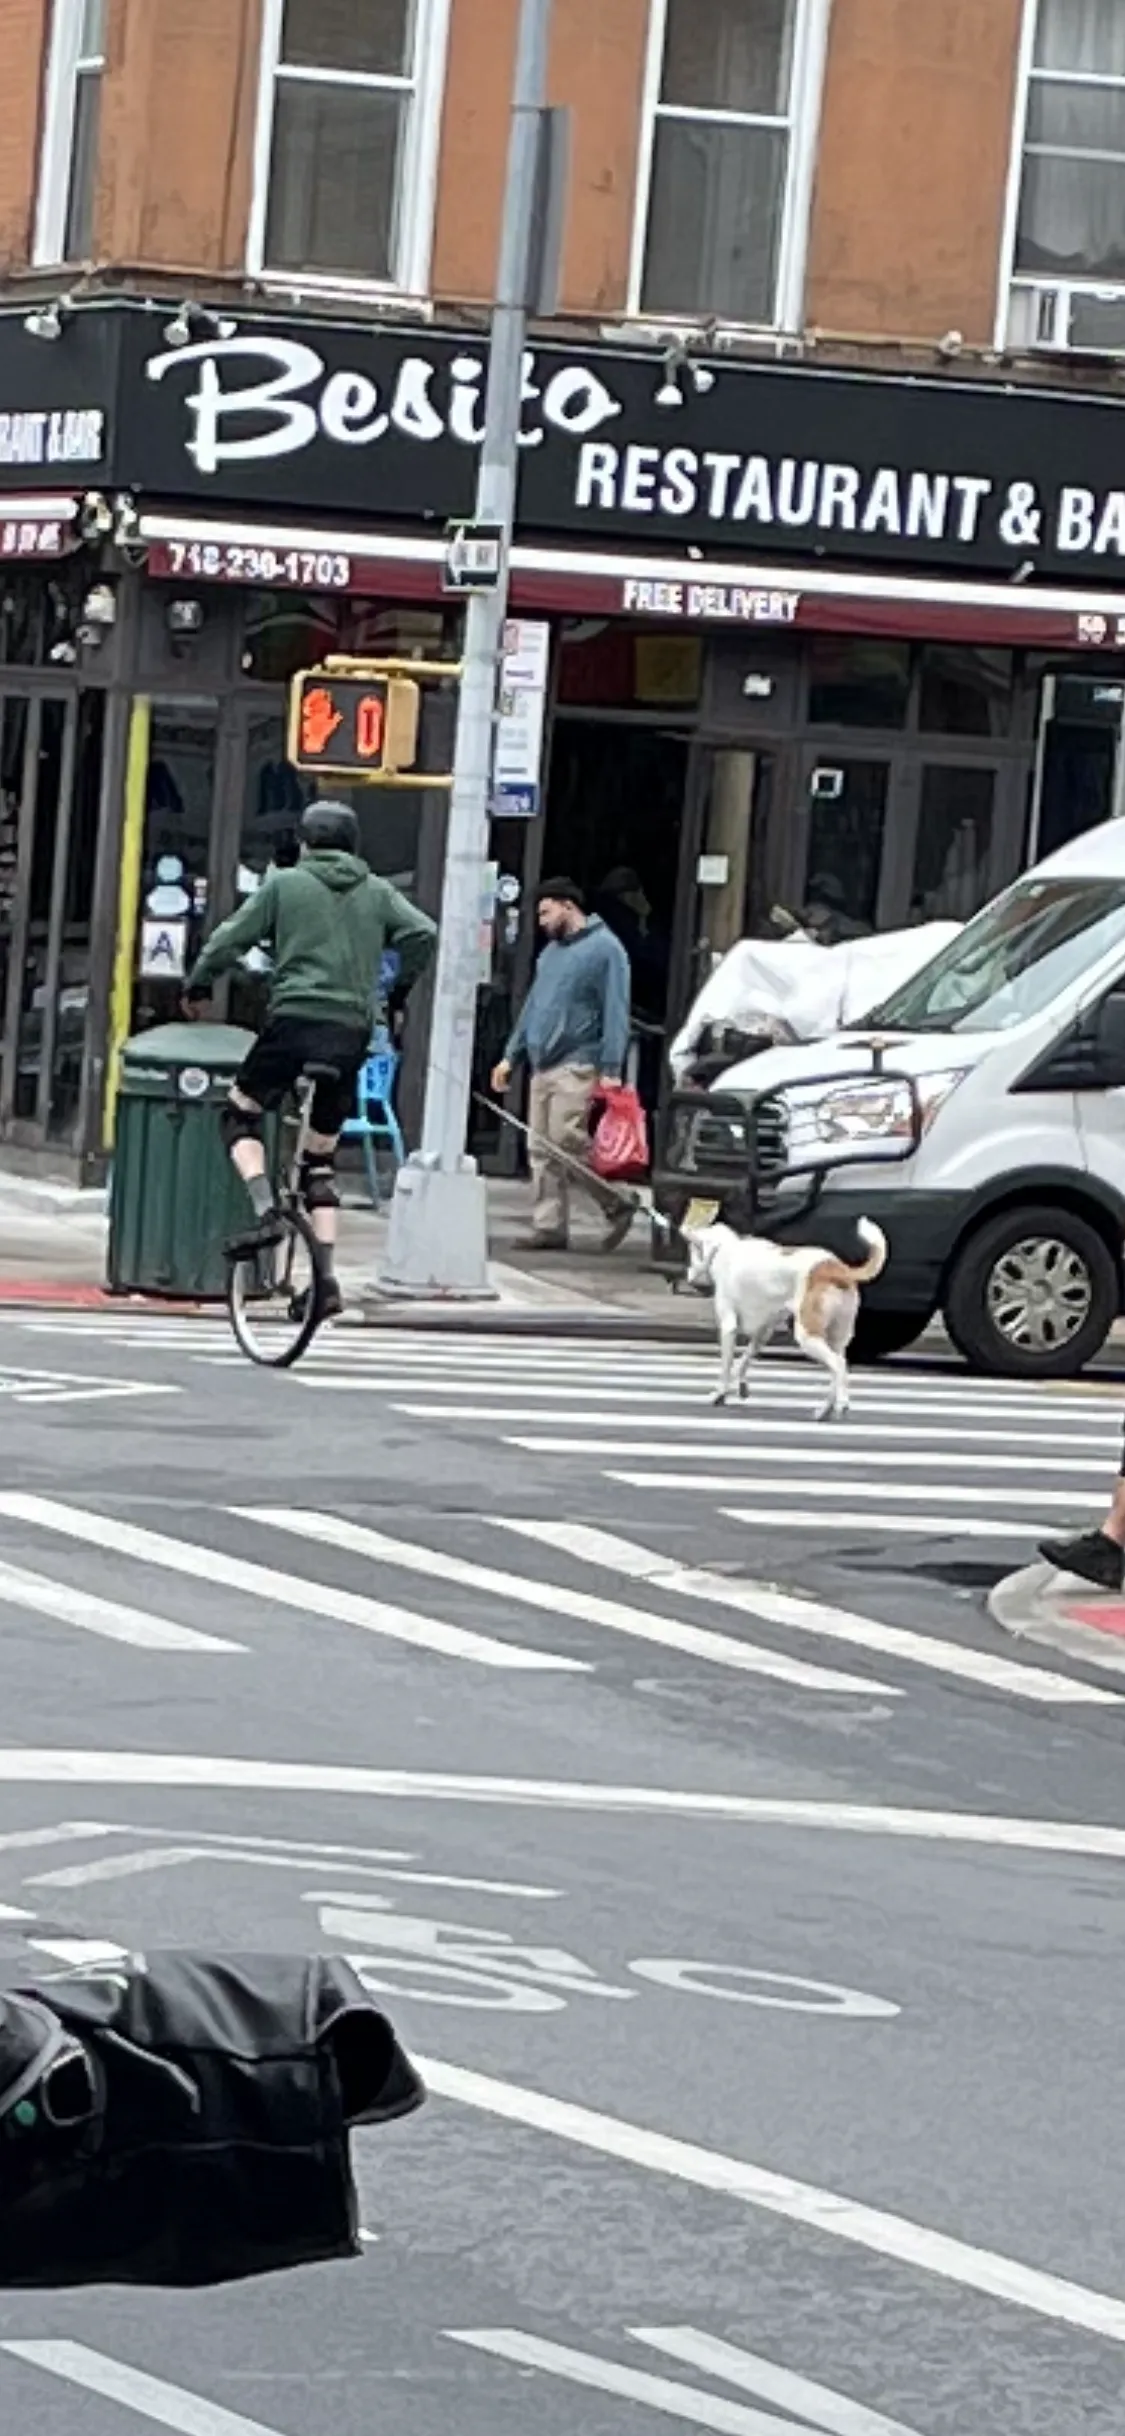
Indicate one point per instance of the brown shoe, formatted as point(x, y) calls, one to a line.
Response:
point(540, 1243)
point(617, 1230)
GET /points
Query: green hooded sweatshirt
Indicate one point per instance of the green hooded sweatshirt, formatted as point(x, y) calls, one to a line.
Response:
point(324, 924)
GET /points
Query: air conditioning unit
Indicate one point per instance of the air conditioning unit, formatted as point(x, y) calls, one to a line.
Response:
point(1059, 318)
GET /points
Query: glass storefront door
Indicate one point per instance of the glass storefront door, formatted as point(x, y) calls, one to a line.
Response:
point(50, 770)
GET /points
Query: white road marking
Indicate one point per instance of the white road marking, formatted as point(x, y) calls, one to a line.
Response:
point(772, 1991)
point(734, 1484)
point(719, 1649)
point(133, 2390)
point(734, 1418)
point(24, 1839)
point(829, 2412)
point(171, 1856)
point(588, 1545)
point(78, 1953)
point(191, 1770)
point(68, 1604)
point(832, 1458)
point(15, 1911)
point(912, 2245)
point(916, 1526)
point(683, 2402)
point(283, 1589)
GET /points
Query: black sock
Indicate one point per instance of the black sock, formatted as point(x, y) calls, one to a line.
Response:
point(261, 1195)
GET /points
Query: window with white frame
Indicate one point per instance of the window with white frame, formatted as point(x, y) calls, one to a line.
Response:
point(68, 164)
point(347, 140)
point(1071, 218)
point(734, 89)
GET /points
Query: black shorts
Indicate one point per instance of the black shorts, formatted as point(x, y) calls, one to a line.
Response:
point(292, 1042)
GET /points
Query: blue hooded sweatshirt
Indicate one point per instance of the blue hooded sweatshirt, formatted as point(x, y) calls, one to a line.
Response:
point(577, 1010)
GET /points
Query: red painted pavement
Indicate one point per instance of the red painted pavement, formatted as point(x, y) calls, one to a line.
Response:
point(1104, 1617)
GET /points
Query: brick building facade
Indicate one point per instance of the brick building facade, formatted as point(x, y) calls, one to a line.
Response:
point(819, 514)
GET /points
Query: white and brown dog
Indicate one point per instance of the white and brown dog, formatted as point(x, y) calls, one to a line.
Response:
point(759, 1284)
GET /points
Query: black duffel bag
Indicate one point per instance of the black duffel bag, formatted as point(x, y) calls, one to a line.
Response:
point(183, 2118)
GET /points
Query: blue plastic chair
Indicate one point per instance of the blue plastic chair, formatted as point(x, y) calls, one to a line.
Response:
point(375, 1119)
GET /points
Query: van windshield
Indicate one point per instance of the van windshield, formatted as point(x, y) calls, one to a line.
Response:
point(1009, 963)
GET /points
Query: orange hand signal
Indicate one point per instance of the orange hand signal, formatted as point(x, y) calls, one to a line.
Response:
point(319, 720)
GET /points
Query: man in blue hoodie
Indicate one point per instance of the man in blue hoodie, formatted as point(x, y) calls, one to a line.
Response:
point(573, 1033)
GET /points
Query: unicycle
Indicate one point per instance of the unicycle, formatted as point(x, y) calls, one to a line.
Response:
point(274, 1296)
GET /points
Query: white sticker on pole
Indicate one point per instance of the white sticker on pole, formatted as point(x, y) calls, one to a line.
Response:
point(517, 764)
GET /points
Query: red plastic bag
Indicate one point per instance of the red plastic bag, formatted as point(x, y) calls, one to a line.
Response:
point(619, 1151)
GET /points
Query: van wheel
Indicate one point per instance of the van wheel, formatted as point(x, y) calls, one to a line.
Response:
point(880, 1333)
point(1033, 1295)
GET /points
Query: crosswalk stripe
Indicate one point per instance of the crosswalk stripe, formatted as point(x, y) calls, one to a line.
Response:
point(68, 1604)
point(920, 1526)
point(725, 1483)
point(827, 1454)
point(282, 1589)
point(392, 1385)
point(587, 1544)
point(831, 2413)
point(609, 1614)
point(170, 2406)
point(737, 1421)
point(687, 2403)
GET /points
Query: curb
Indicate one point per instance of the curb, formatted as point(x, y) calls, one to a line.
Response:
point(1059, 1612)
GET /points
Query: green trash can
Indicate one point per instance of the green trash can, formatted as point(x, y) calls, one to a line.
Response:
point(174, 1197)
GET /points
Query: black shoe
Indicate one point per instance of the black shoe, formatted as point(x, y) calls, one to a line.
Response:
point(1091, 1557)
point(261, 1235)
point(329, 1301)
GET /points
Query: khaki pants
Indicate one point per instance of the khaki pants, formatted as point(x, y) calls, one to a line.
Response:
point(557, 1114)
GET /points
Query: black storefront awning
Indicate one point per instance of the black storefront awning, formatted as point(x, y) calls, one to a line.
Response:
point(324, 422)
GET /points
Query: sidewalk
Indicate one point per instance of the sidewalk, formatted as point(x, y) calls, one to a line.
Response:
point(52, 1251)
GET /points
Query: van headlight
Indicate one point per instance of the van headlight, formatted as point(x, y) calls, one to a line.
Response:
point(883, 1110)
point(865, 1116)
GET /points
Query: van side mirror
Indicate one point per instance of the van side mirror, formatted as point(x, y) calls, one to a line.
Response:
point(1109, 1042)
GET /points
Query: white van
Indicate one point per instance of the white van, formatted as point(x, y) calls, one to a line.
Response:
point(978, 1116)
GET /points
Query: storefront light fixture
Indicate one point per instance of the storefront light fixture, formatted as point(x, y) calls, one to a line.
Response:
point(679, 366)
point(99, 609)
point(48, 320)
point(194, 321)
point(184, 616)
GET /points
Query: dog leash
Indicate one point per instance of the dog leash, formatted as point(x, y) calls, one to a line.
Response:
point(563, 1158)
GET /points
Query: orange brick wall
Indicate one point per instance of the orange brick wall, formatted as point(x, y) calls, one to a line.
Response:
point(909, 188)
point(912, 168)
point(23, 38)
point(178, 123)
point(597, 67)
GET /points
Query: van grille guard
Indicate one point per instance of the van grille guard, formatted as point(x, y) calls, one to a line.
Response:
point(718, 1144)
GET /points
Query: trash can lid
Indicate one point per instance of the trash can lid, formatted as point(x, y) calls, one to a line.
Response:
point(219, 1047)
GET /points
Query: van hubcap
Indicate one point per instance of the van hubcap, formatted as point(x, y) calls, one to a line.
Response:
point(1039, 1294)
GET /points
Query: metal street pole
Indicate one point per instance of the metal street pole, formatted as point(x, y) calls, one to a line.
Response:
point(438, 1236)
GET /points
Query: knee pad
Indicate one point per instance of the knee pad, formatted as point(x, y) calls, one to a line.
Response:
point(240, 1125)
point(318, 1181)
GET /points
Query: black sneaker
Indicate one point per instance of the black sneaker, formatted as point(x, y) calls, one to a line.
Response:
point(1091, 1557)
point(260, 1235)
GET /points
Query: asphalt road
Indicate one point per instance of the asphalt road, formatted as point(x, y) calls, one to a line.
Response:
point(754, 1909)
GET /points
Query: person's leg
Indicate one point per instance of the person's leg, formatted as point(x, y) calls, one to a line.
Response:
point(331, 1103)
point(575, 1089)
point(1095, 1556)
point(549, 1205)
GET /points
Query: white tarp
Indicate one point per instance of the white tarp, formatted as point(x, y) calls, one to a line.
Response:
point(793, 989)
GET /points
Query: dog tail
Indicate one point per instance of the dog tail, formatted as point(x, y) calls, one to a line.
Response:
point(846, 1273)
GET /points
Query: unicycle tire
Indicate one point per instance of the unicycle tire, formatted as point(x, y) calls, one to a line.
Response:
point(274, 1299)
